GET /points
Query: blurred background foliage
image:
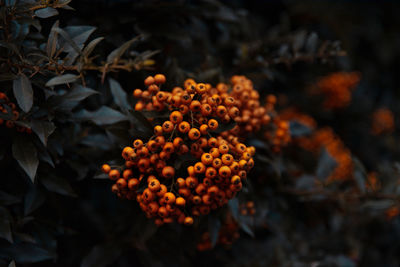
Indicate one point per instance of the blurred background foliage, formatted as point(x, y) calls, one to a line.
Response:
point(56, 212)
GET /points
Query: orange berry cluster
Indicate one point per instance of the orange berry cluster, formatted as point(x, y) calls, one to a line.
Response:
point(228, 233)
point(382, 121)
point(164, 190)
point(8, 107)
point(247, 208)
point(252, 115)
point(279, 136)
point(337, 88)
point(326, 138)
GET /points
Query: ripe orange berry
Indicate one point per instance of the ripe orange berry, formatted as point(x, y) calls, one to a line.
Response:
point(180, 201)
point(159, 78)
point(217, 163)
point(154, 185)
point(206, 159)
point(195, 106)
point(223, 149)
point(199, 167)
point(169, 198)
point(184, 127)
point(213, 124)
point(191, 182)
point(194, 134)
point(206, 110)
point(133, 184)
point(127, 174)
point(181, 182)
point(162, 191)
point(137, 93)
point(176, 117)
point(168, 126)
point(201, 88)
point(188, 221)
point(114, 174)
point(211, 172)
point(127, 152)
point(227, 159)
point(106, 168)
point(224, 171)
point(168, 172)
point(162, 212)
point(149, 81)
point(121, 183)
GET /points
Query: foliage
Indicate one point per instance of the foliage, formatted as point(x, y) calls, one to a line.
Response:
point(325, 184)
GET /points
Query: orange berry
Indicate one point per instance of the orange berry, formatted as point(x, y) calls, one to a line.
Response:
point(106, 168)
point(168, 172)
point(159, 78)
point(169, 198)
point(154, 185)
point(199, 167)
point(213, 124)
point(176, 117)
point(133, 184)
point(194, 134)
point(184, 127)
point(121, 183)
point(127, 174)
point(188, 221)
point(224, 171)
point(114, 174)
point(167, 127)
point(191, 182)
point(180, 201)
point(137, 93)
point(206, 159)
point(227, 159)
point(149, 81)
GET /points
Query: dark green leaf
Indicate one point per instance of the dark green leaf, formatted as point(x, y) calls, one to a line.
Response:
point(63, 79)
point(58, 185)
point(91, 46)
point(51, 46)
point(23, 92)
point(8, 199)
point(143, 121)
point(5, 225)
point(33, 200)
point(223, 127)
point(46, 12)
point(120, 96)
point(26, 155)
point(72, 98)
point(43, 129)
point(326, 165)
point(103, 255)
point(29, 253)
point(117, 53)
point(233, 205)
point(102, 116)
point(298, 129)
point(245, 227)
point(71, 42)
point(214, 225)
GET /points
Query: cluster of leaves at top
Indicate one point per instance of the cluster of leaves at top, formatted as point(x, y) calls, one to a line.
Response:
point(44, 78)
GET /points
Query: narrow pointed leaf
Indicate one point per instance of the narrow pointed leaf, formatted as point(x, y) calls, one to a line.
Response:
point(23, 92)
